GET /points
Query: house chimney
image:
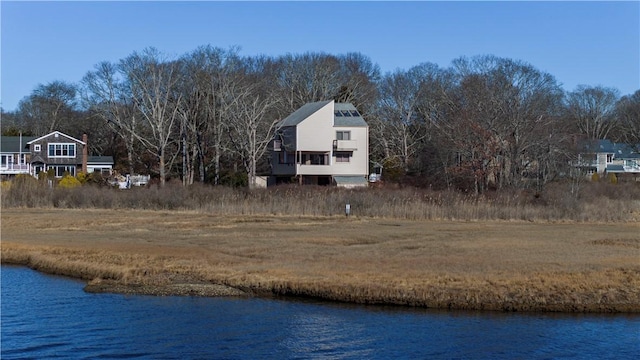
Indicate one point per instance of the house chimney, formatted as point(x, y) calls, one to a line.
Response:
point(85, 152)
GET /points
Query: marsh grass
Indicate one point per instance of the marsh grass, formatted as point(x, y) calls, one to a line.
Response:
point(595, 202)
point(491, 265)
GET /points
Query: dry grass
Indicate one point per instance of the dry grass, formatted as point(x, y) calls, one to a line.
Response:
point(595, 202)
point(496, 265)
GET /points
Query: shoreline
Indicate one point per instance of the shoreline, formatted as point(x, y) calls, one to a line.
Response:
point(497, 266)
point(452, 301)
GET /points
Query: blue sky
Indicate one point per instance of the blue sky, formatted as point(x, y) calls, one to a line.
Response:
point(592, 43)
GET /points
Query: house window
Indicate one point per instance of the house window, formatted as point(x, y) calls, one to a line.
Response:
point(343, 157)
point(60, 171)
point(57, 150)
point(346, 113)
point(319, 159)
point(285, 158)
point(343, 135)
point(314, 158)
point(36, 147)
point(609, 158)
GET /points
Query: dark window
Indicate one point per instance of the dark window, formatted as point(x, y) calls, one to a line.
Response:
point(346, 113)
point(354, 113)
point(60, 171)
point(337, 113)
point(343, 157)
point(62, 150)
point(285, 158)
point(343, 135)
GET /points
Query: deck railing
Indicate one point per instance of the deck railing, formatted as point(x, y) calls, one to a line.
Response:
point(15, 168)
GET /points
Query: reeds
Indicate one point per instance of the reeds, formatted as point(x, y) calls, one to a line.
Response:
point(595, 202)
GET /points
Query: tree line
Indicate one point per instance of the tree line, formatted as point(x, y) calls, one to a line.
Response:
point(209, 115)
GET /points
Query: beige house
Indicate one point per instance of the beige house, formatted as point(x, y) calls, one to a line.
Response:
point(322, 143)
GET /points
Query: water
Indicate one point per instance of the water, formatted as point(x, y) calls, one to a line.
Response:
point(46, 317)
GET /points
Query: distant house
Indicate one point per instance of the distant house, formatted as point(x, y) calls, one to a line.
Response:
point(15, 157)
point(56, 151)
point(606, 157)
point(321, 143)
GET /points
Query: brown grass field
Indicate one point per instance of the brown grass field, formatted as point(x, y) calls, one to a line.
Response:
point(490, 265)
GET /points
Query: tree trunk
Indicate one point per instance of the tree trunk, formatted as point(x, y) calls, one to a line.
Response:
point(162, 170)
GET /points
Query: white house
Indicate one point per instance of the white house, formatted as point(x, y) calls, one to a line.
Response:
point(606, 157)
point(322, 143)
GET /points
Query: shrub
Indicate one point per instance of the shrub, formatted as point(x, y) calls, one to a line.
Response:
point(69, 181)
point(82, 177)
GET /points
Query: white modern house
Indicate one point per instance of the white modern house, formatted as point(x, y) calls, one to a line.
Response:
point(321, 143)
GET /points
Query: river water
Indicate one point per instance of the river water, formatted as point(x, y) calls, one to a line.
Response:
point(45, 317)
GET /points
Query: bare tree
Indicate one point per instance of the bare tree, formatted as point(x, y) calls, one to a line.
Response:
point(399, 97)
point(358, 79)
point(511, 107)
point(11, 124)
point(50, 107)
point(592, 110)
point(307, 78)
point(106, 95)
point(250, 120)
point(210, 72)
point(628, 113)
point(153, 85)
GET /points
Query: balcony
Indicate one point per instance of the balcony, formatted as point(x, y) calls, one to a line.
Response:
point(313, 169)
point(12, 169)
point(345, 145)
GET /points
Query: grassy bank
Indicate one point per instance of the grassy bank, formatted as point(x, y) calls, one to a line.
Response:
point(493, 265)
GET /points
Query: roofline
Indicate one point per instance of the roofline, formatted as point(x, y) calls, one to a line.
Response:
point(59, 133)
point(280, 125)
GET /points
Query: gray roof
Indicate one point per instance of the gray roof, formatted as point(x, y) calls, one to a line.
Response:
point(308, 109)
point(11, 144)
point(615, 168)
point(620, 151)
point(100, 160)
point(355, 121)
point(302, 113)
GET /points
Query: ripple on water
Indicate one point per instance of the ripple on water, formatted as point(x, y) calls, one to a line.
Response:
point(51, 317)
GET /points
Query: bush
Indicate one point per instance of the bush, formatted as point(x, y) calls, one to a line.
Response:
point(69, 181)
